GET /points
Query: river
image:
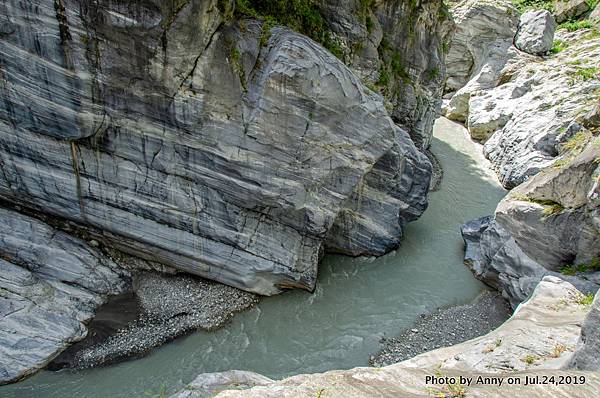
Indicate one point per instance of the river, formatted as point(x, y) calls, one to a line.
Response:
point(357, 301)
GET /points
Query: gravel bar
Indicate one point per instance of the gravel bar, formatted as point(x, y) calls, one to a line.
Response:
point(164, 307)
point(445, 327)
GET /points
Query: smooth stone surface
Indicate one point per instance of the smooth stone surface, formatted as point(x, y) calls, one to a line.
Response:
point(207, 385)
point(535, 34)
point(50, 285)
point(484, 32)
point(188, 143)
point(357, 301)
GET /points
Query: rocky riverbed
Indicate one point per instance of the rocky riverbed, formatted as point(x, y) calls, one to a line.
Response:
point(162, 308)
point(445, 327)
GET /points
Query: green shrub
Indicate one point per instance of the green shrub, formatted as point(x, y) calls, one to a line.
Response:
point(585, 299)
point(572, 26)
point(384, 77)
point(526, 5)
point(303, 16)
point(559, 45)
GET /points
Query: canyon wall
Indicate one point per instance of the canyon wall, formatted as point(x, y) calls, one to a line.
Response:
point(194, 135)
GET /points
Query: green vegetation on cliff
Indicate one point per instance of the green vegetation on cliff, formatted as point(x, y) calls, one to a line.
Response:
point(303, 16)
point(526, 5)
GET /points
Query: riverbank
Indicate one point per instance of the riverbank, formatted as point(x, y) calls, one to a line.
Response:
point(445, 327)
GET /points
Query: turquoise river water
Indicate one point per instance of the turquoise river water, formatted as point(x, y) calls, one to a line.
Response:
point(357, 301)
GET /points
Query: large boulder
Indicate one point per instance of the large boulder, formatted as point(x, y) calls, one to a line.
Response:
point(566, 10)
point(535, 34)
point(51, 284)
point(199, 141)
point(484, 32)
point(587, 353)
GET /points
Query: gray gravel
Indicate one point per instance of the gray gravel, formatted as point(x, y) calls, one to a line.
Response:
point(168, 306)
point(445, 327)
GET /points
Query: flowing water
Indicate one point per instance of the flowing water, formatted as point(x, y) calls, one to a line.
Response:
point(357, 301)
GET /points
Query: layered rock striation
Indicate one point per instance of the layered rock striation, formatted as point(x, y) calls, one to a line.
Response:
point(50, 286)
point(192, 136)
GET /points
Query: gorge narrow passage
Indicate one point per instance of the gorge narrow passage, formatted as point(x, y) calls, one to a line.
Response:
point(357, 301)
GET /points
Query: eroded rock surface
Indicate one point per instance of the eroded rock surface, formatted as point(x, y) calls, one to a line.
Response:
point(409, 53)
point(484, 32)
point(207, 385)
point(50, 285)
point(532, 105)
point(189, 139)
point(548, 225)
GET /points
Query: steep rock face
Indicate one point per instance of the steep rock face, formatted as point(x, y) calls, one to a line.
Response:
point(544, 328)
point(392, 194)
point(531, 104)
point(403, 40)
point(548, 223)
point(187, 141)
point(50, 285)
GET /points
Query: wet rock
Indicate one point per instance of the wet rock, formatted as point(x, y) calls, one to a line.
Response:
point(535, 34)
point(566, 10)
point(51, 285)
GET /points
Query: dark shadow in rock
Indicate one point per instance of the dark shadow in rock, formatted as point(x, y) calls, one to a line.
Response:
point(116, 314)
